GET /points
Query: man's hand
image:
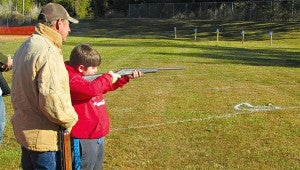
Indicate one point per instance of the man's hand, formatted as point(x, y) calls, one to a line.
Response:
point(114, 76)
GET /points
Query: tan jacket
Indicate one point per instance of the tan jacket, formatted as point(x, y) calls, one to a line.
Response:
point(40, 91)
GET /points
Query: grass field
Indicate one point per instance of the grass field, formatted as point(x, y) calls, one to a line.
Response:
point(186, 119)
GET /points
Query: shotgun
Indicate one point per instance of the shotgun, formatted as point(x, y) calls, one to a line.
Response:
point(128, 71)
point(65, 149)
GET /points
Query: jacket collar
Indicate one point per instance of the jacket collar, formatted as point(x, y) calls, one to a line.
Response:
point(71, 69)
point(49, 33)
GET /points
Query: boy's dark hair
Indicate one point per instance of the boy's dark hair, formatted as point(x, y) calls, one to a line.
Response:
point(84, 54)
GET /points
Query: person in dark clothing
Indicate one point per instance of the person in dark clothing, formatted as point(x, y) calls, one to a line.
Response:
point(4, 90)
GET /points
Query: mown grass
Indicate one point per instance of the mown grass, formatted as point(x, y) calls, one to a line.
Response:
point(185, 119)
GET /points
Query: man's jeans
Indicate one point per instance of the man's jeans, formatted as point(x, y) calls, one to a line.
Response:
point(2, 118)
point(39, 160)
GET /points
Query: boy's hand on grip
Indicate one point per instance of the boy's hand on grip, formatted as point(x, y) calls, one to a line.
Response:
point(114, 76)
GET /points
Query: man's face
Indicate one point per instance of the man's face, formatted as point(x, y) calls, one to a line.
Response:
point(64, 28)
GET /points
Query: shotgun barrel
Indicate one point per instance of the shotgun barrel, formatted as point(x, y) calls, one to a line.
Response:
point(128, 71)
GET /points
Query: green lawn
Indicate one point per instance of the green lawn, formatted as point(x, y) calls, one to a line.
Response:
point(186, 119)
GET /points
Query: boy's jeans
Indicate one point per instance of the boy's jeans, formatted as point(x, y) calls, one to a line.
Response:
point(39, 160)
point(91, 153)
point(2, 118)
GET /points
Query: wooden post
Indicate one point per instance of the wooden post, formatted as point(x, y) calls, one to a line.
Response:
point(195, 30)
point(218, 32)
point(243, 36)
point(175, 36)
point(271, 38)
point(23, 8)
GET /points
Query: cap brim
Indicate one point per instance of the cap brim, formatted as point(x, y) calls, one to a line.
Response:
point(73, 20)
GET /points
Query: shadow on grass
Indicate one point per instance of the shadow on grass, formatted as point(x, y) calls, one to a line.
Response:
point(257, 57)
point(164, 29)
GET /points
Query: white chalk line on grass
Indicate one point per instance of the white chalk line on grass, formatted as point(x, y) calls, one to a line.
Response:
point(178, 121)
point(245, 107)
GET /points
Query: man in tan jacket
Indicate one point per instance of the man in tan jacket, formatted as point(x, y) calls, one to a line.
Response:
point(40, 90)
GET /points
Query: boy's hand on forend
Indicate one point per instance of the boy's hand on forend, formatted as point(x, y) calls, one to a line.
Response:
point(114, 76)
point(135, 74)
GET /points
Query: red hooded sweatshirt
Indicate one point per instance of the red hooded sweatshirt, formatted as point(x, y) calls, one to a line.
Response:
point(88, 101)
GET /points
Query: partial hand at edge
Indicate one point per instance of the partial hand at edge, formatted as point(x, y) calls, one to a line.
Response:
point(9, 61)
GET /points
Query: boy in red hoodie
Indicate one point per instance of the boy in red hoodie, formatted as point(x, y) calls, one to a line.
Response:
point(88, 100)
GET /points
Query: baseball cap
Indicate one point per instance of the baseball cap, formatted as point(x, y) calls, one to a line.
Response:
point(54, 11)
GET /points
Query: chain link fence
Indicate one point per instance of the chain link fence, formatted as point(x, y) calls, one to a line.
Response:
point(287, 10)
point(10, 15)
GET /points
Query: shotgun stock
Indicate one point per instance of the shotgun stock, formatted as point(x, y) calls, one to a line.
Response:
point(128, 71)
point(65, 149)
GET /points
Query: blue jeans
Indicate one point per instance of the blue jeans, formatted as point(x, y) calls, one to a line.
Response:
point(33, 160)
point(2, 118)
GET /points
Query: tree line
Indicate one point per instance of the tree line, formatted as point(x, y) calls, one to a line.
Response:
point(14, 9)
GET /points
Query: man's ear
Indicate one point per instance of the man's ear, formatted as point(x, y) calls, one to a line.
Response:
point(81, 68)
point(57, 24)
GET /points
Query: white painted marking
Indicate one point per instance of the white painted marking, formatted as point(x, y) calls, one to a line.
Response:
point(248, 107)
point(178, 121)
point(245, 107)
